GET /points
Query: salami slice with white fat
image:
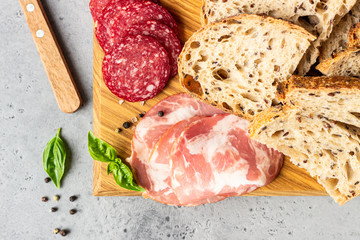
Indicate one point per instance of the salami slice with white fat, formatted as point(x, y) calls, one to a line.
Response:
point(137, 13)
point(104, 12)
point(215, 158)
point(176, 108)
point(96, 7)
point(137, 69)
point(164, 35)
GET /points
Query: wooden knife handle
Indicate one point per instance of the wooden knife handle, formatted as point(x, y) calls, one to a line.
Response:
point(62, 83)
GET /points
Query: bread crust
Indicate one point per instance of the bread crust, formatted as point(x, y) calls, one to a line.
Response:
point(354, 36)
point(266, 117)
point(323, 83)
point(325, 66)
point(203, 18)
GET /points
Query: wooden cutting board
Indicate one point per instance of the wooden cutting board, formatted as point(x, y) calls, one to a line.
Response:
point(109, 115)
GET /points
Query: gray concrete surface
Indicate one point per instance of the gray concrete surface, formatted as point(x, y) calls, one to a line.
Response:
point(29, 117)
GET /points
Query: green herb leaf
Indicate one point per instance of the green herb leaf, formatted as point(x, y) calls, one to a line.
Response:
point(123, 176)
point(54, 157)
point(100, 150)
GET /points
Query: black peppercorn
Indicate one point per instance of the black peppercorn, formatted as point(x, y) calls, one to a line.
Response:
point(160, 113)
point(72, 211)
point(44, 199)
point(141, 115)
point(53, 209)
point(63, 233)
point(126, 125)
point(46, 180)
point(72, 198)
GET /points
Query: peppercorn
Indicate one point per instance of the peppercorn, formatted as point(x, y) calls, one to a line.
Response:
point(126, 125)
point(141, 115)
point(47, 179)
point(56, 231)
point(72, 211)
point(44, 199)
point(53, 209)
point(56, 197)
point(72, 198)
point(63, 233)
point(160, 113)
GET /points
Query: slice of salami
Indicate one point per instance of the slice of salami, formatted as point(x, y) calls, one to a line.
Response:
point(176, 108)
point(105, 19)
point(215, 157)
point(164, 35)
point(137, 69)
point(138, 13)
point(96, 7)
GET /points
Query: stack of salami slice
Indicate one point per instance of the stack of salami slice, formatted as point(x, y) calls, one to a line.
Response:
point(192, 153)
point(141, 46)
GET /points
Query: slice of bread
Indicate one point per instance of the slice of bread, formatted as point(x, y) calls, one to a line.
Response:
point(316, 16)
point(340, 54)
point(236, 63)
point(337, 98)
point(345, 63)
point(339, 38)
point(327, 149)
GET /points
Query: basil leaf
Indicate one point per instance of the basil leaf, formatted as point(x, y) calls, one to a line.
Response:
point(100, 150)
point(111, 167)
point(123, 176)
point(54, 157)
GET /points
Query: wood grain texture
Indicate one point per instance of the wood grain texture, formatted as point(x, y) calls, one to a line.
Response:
point(109, 115)
point(62, 83)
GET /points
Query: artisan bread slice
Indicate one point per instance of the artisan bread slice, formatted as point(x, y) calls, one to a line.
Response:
point(316, 16)
point(337, 98)
point(328, 150)
point(342, 35)
point(345, 63)
point(340, 54)
point(236, 63)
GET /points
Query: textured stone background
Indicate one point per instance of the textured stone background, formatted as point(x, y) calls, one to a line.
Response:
point(29, 117)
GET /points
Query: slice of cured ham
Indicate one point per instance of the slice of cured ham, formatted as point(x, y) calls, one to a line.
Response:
point(176, 108)
point(159, 165)
point(215, 158)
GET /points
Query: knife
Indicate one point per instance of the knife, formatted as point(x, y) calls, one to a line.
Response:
point(57, 70)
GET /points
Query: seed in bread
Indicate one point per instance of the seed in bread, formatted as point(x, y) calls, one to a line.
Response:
point(236, 63)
